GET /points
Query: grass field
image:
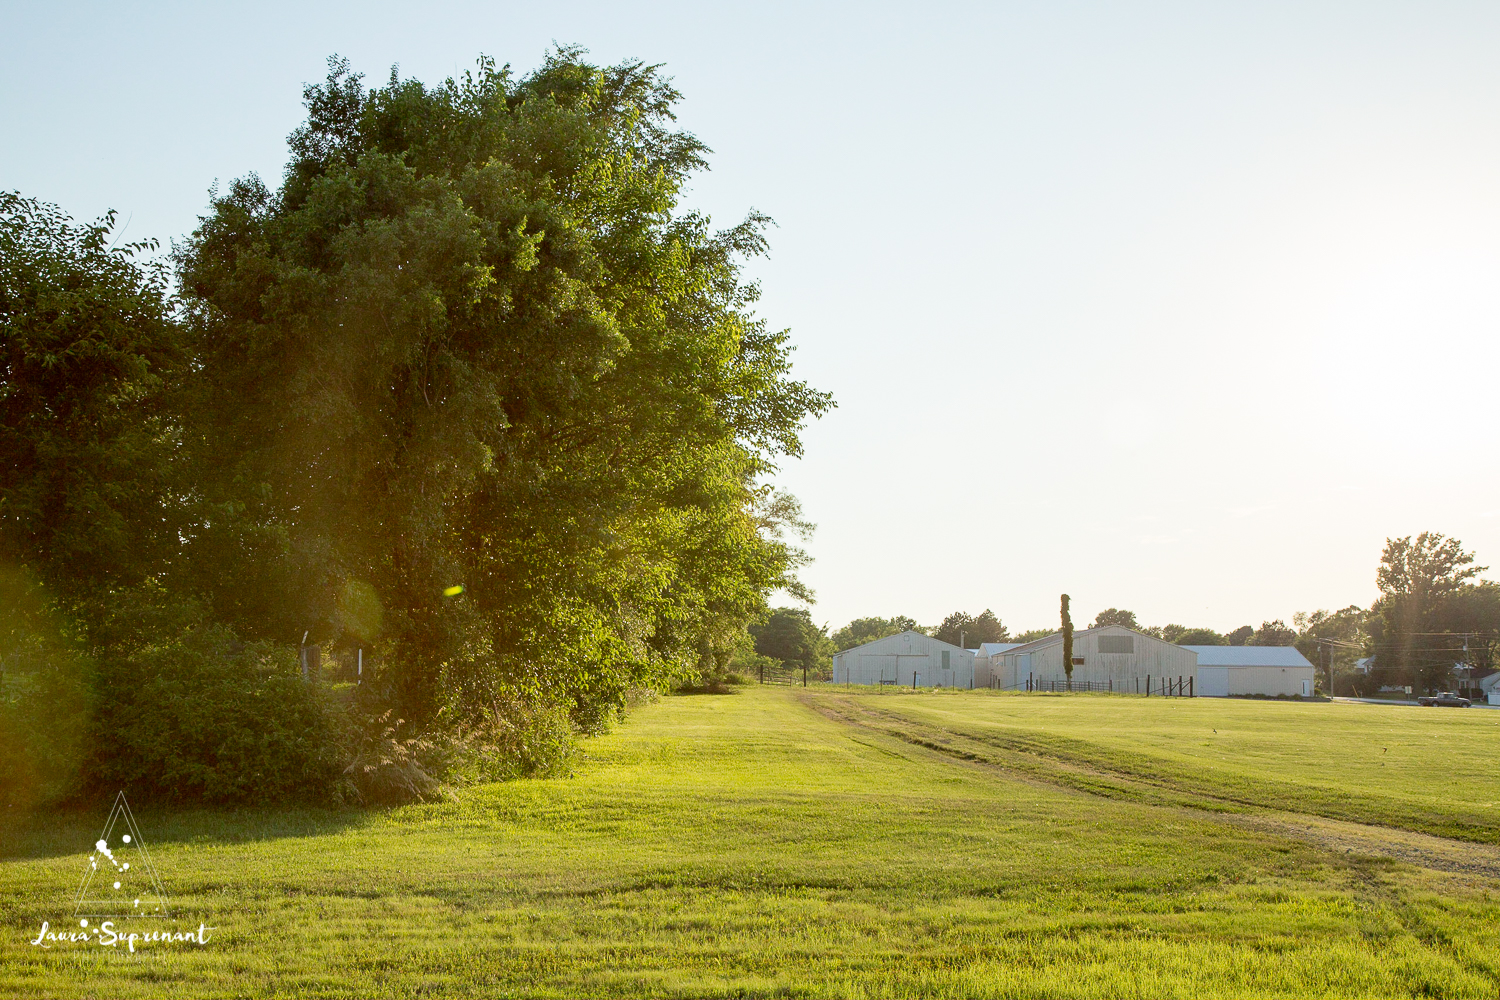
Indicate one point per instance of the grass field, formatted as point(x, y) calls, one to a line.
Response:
point(1433, 770)
point(781, 843)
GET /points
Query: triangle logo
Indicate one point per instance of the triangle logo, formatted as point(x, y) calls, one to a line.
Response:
point(120, 880)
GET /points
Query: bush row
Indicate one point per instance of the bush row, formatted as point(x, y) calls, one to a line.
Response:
point(208, 719)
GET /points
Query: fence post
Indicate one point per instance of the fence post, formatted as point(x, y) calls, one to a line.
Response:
point(1190, 687)
point(1148, 685)
point(1111, 685)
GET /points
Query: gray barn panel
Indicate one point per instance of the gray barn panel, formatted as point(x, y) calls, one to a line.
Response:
point(1213, 682)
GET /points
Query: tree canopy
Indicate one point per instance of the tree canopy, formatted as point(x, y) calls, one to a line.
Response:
point(87, 347)
point(1116, 616)
point(470, 340)
point(1429, 608)
point(467, 389)
point(789, 635)
point(972, 630)
point(863, 630)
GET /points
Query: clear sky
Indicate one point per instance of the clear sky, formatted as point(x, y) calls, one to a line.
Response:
point(1182, 308)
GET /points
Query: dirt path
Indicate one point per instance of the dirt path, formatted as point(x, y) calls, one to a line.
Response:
point(1477, 861)
point(1480, 862)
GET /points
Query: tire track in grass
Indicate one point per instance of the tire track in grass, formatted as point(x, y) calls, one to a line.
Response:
point(1127, 770)
point(1342, 838)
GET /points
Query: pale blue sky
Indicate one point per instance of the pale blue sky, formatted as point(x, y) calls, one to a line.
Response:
point(1178, 307)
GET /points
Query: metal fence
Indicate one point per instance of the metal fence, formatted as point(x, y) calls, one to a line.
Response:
point(1148, 686)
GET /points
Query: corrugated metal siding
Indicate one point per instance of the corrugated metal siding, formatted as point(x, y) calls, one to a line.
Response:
point(902, 658)
point(1152, 658)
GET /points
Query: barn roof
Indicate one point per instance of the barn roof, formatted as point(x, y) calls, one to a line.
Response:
point(1056, 637)
point(896, 635)
point(991, 648)
point(1249, 656)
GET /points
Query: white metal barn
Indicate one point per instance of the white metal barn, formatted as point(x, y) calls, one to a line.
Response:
point(1111, 657)
point(909, 659)
point(1263, 670)
point(985, 658)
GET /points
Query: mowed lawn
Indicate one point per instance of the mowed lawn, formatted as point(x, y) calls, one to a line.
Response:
point(1427, 769)
point(750, 845)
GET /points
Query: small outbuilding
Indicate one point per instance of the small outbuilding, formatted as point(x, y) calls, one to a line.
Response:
point(1271, 671)
point(908, 659)
point(986, 658)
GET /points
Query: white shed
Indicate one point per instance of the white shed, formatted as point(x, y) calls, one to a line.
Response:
point(1263, 670)
point(987, 658)
point(908, 659)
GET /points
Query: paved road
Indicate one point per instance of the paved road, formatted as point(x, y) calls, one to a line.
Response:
point(1393, 701)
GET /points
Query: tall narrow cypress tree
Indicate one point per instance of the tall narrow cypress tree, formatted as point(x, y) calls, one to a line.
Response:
point(1067, 631)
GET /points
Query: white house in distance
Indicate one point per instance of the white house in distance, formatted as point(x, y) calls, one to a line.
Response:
point(1113, 657)
point(909, 659)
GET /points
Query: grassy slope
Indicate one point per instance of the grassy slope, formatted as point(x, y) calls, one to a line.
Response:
point(746, 845)
point(1425, 769)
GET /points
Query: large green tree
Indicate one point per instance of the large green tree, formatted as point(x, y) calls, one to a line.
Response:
point(960, 628)
point(789, 635)
point(472, 341)
point(1274, 633)
point(1419, 578)
point(1116, 616)
point(87, 351)
point(1333, 641)
point(863, 630)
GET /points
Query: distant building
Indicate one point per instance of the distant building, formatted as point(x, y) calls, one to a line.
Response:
point(984, 658)
point(1264, 670)
point(1110, 657)
point(908, 659)
point(1115, 658)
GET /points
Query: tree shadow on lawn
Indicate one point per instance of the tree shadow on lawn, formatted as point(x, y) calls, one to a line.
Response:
point(56, 832)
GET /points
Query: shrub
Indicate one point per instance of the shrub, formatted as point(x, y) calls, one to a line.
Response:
point(44, 705)
point(43, 721)
point(518, 739)
point(209, 719)
point(386, 768)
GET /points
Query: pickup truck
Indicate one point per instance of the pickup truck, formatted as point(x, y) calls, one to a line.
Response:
point(1444, 699)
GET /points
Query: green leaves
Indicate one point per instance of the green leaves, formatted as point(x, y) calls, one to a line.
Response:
point(86, 347)
point(471, 338)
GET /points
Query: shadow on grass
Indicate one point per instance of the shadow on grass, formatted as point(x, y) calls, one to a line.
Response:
point(48, 833)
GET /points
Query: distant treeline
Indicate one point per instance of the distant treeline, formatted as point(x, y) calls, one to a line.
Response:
point(465, 402)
